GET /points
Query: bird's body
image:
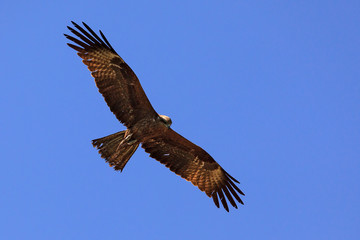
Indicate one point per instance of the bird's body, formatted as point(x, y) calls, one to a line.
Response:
point(127, 100)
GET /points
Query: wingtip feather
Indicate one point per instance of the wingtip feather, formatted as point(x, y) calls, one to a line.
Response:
point(229, 197)
point(215, 199)
point(223, 200)
point(79, 49)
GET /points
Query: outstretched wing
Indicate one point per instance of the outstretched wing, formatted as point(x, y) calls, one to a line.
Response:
point(195, 165)
point(116, 81)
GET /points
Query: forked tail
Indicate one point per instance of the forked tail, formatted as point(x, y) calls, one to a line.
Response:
point(116, 149)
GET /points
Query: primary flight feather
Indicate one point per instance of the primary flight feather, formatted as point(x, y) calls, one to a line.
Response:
point(125, 97)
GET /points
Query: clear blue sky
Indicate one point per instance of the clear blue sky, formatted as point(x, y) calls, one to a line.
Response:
point(271, 89)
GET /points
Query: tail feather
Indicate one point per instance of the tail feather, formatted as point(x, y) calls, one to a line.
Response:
point(116, 149)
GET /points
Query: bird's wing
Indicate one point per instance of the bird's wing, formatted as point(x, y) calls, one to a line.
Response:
point(195, 165)
point(116, 81)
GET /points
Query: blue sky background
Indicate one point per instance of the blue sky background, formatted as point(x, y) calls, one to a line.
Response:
point(269, 88)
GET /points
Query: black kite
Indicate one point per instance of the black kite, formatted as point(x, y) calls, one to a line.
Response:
point(127, 100)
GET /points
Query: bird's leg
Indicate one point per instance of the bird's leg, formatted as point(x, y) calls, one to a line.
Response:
point(126, 139)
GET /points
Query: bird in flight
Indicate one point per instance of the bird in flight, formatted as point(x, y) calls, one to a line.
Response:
point(125, 97)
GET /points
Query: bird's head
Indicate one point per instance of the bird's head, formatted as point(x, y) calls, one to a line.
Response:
point(166, 120)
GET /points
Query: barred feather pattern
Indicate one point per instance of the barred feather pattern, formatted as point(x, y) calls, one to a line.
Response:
point(115, 80)
point(195, 165)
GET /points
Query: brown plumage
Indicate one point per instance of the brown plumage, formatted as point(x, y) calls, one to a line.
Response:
point(124, 95)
